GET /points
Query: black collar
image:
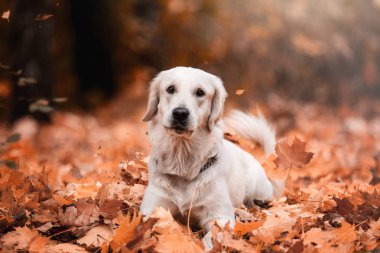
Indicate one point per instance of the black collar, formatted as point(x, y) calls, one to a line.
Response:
point(209, 163)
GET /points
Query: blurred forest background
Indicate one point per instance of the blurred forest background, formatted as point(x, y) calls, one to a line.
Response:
point(82, 54)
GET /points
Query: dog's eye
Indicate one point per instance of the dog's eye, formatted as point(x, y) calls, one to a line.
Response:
point(170, 89)
point(200, 93)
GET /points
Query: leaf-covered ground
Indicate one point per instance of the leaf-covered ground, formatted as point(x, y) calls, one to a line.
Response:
point(76, 186)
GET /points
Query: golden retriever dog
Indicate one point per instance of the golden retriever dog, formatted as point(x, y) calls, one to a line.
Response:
point(191, 164)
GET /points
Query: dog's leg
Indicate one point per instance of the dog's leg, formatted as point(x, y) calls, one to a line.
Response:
point(221, 221)
point(153, 198)
point(219, 210)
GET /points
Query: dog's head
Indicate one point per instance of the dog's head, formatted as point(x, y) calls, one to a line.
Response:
point(185, 99)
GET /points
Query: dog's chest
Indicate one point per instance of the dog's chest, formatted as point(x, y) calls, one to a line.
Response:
point(184, 193)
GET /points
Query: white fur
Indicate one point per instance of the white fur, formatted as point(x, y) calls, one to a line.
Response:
point(175, 180)
point(253, 128)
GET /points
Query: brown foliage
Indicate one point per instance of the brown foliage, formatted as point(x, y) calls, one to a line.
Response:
point(72, 191)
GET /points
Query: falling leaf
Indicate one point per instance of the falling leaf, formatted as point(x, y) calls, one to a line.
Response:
point(43, 16)
point(6, 15)
point(41, 105)
point(239, 92)
point(60, 100)
point(294, 155)
point(25, 81)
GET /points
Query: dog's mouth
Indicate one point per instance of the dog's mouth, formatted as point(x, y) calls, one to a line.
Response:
point(180, 130)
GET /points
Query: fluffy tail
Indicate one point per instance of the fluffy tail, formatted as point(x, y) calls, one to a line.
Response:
point(254, 128)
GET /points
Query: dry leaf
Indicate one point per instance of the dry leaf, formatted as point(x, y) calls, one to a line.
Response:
point(43, 16)
point(82, 214)
point(65, 248)
point(239, 92)
point(96, 236)
point(18, 239)
point(331, 205)
point(294, 155)
point(243, 228)
point(318, 236)
point(224, 239)
point(110, 209)
point(274, 225)
point(38, 244)
point(6, 15)
point(345, 234)
point(62, 201)
point(126, 230)
point(177, 243)
point(166, 223)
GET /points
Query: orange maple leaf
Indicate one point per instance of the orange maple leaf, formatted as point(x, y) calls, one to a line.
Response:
point(38, 244)
point(243, 228)
point(126, 231)
point(293, 155)
point(177, 243)
point(346, 233)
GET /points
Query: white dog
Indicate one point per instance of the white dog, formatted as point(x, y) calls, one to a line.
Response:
point(190, 163)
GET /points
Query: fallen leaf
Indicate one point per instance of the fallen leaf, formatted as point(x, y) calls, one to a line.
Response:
point(297, 247)
point(166, 223)
point(62, 201)
point(38, 244)
point(177, 243)
point(274, 225)
point(318, 236)
point(110, 208)
point(124, 233)
point(343, 206)
point(96, 236)
point(82, 214)
point(243, 228)
point(345, 234)
point(65, 248)
point(19, 239)
point(223, 239)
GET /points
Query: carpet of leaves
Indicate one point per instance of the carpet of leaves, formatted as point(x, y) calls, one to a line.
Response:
point(76, 186)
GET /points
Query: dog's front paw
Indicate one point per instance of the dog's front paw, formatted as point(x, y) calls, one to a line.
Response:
point(207, 242)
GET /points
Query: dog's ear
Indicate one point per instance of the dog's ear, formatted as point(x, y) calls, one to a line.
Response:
point(217, 103)
point(153, 99)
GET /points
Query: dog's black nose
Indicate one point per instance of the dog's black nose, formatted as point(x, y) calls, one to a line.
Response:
point(180, 113)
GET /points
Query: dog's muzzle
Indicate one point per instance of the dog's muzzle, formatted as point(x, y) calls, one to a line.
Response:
point(180, 116)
